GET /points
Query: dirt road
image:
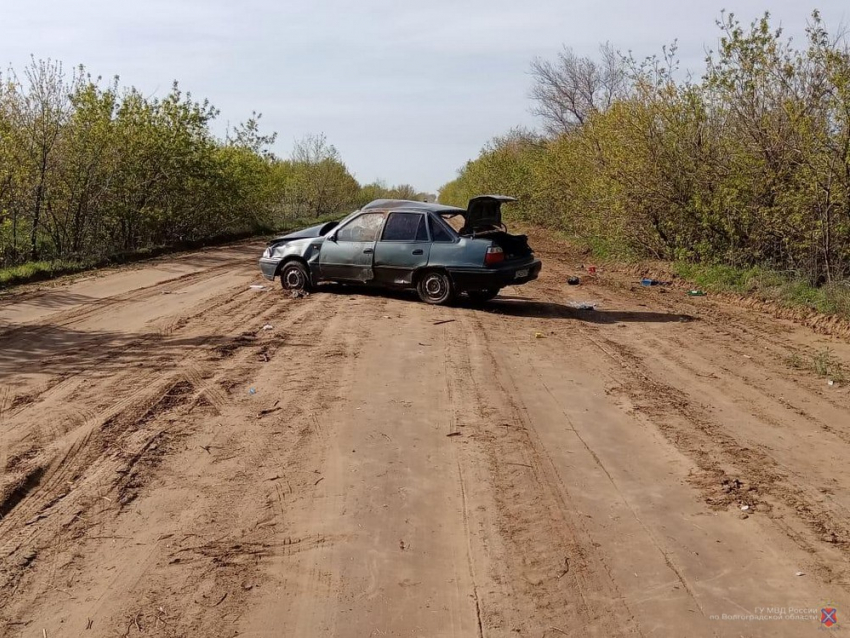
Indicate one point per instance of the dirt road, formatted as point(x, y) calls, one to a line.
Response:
point(372, 466)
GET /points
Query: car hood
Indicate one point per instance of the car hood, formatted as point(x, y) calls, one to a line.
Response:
point(320, 230)
point(485, 210)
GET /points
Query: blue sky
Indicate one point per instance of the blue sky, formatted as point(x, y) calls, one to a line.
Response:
point(406, 91)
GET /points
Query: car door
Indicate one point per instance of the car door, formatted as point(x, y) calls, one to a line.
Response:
point(348, 252)
point(402, 249)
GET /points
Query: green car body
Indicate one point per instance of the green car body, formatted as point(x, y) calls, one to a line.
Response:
point(407, 244)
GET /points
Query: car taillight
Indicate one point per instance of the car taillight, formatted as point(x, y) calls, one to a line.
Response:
point(493, 256)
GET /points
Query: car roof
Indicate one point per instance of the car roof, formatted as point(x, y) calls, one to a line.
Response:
point(411, 206)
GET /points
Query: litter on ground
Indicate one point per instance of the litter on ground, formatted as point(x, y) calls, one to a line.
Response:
point(583, 305)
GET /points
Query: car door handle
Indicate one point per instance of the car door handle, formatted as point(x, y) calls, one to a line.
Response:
point(418, 251)
point(368, 251)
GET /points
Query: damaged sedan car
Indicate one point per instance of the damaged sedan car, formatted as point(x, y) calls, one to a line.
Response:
point(439, 251)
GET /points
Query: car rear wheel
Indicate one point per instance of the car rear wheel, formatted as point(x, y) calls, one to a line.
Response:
point(294, 276)
point(435, 288)
point(482, 295)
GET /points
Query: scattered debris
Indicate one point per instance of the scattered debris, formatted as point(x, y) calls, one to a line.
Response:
point(257, 287)
point(566, 569)
point(696, 293)
point(247, 586)
point(424, 344)
point(387, 317)
point(830, 382)
point(453, 434)
point(263, 413)
point(744, 508)
point(36, 519)
point(591, 270)
point(28, 558)
point(298, 294)
point(437, 323)
point(801, 573)
point(402, 546)
point(321, 479)
point(654, 282)
point(583, 305)
point(539, 335)
point(221, 600)
point(268, 326)
point(573, 281)
point(252, 391)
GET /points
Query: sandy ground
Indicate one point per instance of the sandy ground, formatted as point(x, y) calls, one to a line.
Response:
point(373, 466)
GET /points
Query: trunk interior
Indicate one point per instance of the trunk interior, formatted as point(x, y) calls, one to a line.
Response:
point(515, 246)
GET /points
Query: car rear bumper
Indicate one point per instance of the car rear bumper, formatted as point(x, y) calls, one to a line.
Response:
point(269, 267)
point(490, 278)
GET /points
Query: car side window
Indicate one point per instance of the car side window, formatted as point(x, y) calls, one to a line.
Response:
point(405, 227)
point(366, 227)
point(421, 230)
point(438, 231)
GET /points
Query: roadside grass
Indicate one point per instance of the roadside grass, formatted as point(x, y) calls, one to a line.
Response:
point(39, 271)
point(823, 363)
point(35, 271)
point(786, 290)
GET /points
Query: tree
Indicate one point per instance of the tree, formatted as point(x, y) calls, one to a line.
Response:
point(320, 183)
point(568, 90)
point(89, 171)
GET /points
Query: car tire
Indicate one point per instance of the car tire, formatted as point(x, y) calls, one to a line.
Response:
point(294, 276)
point(479, 296)
point(435, 287)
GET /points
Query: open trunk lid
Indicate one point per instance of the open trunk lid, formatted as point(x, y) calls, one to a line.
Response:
point(485, 211)
point(483, 219)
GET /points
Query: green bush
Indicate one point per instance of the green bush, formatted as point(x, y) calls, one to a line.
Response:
point(91, 173)
point(743, 178)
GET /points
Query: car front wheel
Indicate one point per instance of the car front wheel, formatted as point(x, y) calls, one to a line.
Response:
point(435, 288)
point(294, 276)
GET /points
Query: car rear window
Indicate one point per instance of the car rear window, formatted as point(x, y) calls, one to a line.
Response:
point(405, 227)
point(438, 232)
